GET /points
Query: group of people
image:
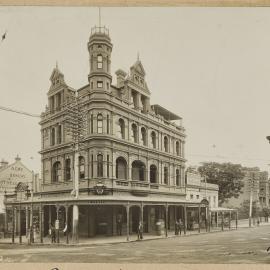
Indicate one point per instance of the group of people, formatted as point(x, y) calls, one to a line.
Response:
point(178, 227)
point(53, 231)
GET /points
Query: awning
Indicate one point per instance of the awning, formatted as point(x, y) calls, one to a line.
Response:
point(107, 198)
point(222, 209)
point(165, 113)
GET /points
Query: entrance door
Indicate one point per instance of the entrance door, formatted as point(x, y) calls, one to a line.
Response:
point(135, 218)
point(101, 220)
point(23, 223)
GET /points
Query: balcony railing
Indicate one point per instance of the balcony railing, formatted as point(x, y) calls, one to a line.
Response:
point(99, 30)
point(121, 184)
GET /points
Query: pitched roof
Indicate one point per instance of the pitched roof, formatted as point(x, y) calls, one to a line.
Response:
point(138, 67)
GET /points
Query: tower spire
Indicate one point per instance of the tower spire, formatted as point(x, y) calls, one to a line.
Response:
point(138, 56)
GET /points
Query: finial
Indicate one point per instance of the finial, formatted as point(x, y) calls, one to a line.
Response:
point(138, 56)
point(56, 65)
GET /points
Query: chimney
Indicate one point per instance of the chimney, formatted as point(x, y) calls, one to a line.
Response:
point(120, 76)
point(3, 163)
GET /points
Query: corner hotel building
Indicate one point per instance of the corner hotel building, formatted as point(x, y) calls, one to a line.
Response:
point(131, 162)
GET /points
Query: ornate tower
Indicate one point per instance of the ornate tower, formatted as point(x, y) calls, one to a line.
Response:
point(100, 49)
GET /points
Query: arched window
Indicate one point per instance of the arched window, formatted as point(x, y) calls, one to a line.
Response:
point(154, 139)
point(56, 172)
point(99, 61)
point(134, 99)
point(67, 170)
point(53, 136)
point(81, 167)
point(166, 175)
point(134, 133)
point(166, 144)
point(92, 123)
point(177, 146)
point(153, 174)
point(99, 165)
point(143, 134)
point(178, 177)
point(59, 134)
point(108, 124)
point(121, 128)
point(121, 168)
point(138, 170)
point(99, 123)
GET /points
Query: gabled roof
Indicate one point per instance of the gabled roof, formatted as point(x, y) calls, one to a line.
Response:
point(57, 79)
point(56, 73)
point(12, 164)
point(138, 67)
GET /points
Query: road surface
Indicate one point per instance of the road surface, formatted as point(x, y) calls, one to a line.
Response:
point(241, 246)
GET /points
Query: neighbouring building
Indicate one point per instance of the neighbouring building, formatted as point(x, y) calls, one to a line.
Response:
point(254, 181)
point(131, 162)
point(198, 189)
point(10, 176)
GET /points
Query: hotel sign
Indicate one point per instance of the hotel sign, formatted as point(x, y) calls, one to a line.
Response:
point(12, 175)
point(17, 172)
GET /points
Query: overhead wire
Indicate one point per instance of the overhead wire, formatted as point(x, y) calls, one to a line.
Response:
point(191, 155)
point(18, 111)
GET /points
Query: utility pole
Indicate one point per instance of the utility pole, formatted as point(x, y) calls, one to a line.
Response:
point(76, 127)
point(205, 186)
point(252, 181)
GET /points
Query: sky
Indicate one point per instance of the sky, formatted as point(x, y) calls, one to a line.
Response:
point(211, 66)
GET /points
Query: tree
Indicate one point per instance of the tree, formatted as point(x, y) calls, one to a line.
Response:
point(227, 176)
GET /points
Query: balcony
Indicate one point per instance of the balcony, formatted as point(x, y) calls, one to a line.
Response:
point(137, 188)
point(141, 188)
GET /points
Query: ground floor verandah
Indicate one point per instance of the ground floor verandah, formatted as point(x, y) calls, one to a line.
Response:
point(82, 220)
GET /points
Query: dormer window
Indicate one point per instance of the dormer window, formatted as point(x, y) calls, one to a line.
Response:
point(99, 62)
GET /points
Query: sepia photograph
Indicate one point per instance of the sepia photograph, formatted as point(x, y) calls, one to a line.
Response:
point(134, 135)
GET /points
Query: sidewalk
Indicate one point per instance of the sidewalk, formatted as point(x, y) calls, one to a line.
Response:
point(101, 240)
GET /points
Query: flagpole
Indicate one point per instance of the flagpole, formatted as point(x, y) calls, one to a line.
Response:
point(99, 17)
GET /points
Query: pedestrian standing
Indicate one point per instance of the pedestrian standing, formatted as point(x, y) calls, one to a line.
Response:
point(53, 234)
point(180, 225)
point(176, 227)
point(140, 228)
point(119, 224)
point(65, 229)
